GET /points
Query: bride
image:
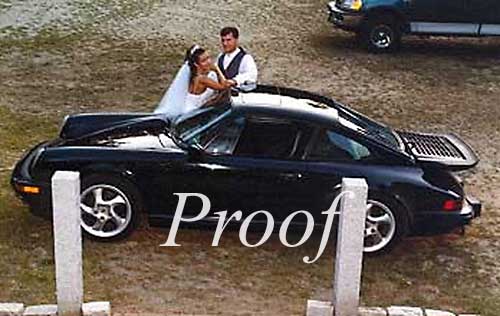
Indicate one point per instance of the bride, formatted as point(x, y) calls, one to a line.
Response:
point(193, 85)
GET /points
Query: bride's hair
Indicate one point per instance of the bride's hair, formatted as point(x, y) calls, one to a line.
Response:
point(192, 56)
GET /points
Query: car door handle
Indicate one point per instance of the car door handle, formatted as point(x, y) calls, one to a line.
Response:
point(291, 176)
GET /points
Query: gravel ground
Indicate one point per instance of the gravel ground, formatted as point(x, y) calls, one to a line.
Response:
point(60, 57)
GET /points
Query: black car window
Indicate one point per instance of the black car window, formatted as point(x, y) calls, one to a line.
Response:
point(332, 146)
point(222, 138)
point(268, 139)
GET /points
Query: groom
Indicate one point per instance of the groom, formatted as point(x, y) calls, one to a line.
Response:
point(235, 63)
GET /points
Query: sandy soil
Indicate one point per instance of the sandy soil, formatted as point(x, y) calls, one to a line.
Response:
point(63, 57)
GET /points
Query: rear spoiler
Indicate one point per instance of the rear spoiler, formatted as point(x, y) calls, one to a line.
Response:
point(81, 126)
point(447, 150)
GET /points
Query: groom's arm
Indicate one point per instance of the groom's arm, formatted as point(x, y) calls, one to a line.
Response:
point(247, 72)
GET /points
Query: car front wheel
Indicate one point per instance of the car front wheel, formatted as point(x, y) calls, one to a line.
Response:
point(109, 207)
point(381, 35)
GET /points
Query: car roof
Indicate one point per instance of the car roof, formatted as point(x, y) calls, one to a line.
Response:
point(285, 107)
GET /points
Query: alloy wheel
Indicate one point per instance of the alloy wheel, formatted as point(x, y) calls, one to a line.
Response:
point(382, 37)
point(380, 226)
point(106, 211)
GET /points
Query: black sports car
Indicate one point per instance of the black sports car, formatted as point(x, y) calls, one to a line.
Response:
point(275, 149)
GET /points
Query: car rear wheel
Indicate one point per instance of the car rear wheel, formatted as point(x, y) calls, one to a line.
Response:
point(381, 34)
point(385, 225)
point(109, 207)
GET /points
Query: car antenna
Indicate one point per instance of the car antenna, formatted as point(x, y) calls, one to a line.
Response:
point(279, 93)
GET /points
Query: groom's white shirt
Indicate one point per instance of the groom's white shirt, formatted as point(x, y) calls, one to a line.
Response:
point(248, 68)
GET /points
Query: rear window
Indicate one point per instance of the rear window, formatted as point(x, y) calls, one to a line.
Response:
point(371, 129)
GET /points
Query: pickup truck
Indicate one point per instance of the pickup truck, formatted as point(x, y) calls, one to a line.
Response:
point(380, 24)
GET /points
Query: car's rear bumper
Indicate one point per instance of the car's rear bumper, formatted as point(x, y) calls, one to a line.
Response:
point(443, 222)
point(349, 21)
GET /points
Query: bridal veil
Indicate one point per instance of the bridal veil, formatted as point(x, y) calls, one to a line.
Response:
point(174, 99)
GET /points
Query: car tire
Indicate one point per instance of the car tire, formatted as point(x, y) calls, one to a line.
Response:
point(110, 207)
point(381, 34)
point(386, 224)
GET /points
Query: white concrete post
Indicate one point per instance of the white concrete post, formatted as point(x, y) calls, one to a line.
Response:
point(67, 242)
point(349, 258)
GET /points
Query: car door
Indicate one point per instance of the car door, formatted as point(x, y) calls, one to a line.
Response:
point(442, 17)
point(248, 164)
point(423, 10)
point(268, 149)
point(204, 168)
point(487, 14)
point(451, 11)
point(214, 171)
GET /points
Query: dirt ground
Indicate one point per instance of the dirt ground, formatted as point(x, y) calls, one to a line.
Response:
point(61, 57)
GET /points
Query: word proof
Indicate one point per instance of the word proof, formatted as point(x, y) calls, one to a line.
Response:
point(223, 221)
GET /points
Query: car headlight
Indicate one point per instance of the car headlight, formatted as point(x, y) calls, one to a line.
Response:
point(355, 5)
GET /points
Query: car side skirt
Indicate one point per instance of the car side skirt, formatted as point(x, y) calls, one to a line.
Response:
point(474, 29)
point(444, 28)
point(490, 29)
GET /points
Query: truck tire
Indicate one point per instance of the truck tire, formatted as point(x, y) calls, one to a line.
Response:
point(381, 34)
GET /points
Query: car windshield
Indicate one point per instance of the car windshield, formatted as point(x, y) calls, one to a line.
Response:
point(192, 123)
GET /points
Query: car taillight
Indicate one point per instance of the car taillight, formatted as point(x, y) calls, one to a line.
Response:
point(452, 205)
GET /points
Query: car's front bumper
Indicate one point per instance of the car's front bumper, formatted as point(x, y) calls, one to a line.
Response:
point(443, 222)
point(350, 21)
point(40, 202)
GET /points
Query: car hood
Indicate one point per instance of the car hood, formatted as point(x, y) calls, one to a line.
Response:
point(84, 126)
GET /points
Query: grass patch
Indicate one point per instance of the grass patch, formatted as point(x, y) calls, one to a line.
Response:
point(26, 244)
point(72, 17)
point(434, 277)
point(19, 131)
point(26, 266)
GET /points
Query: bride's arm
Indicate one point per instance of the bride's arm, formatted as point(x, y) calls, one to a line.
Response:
point(212, 84)
point(220, 75)
point(222, 84)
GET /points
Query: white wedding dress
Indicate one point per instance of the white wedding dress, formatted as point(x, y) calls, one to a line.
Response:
point(177, 100)
point(195, 101)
